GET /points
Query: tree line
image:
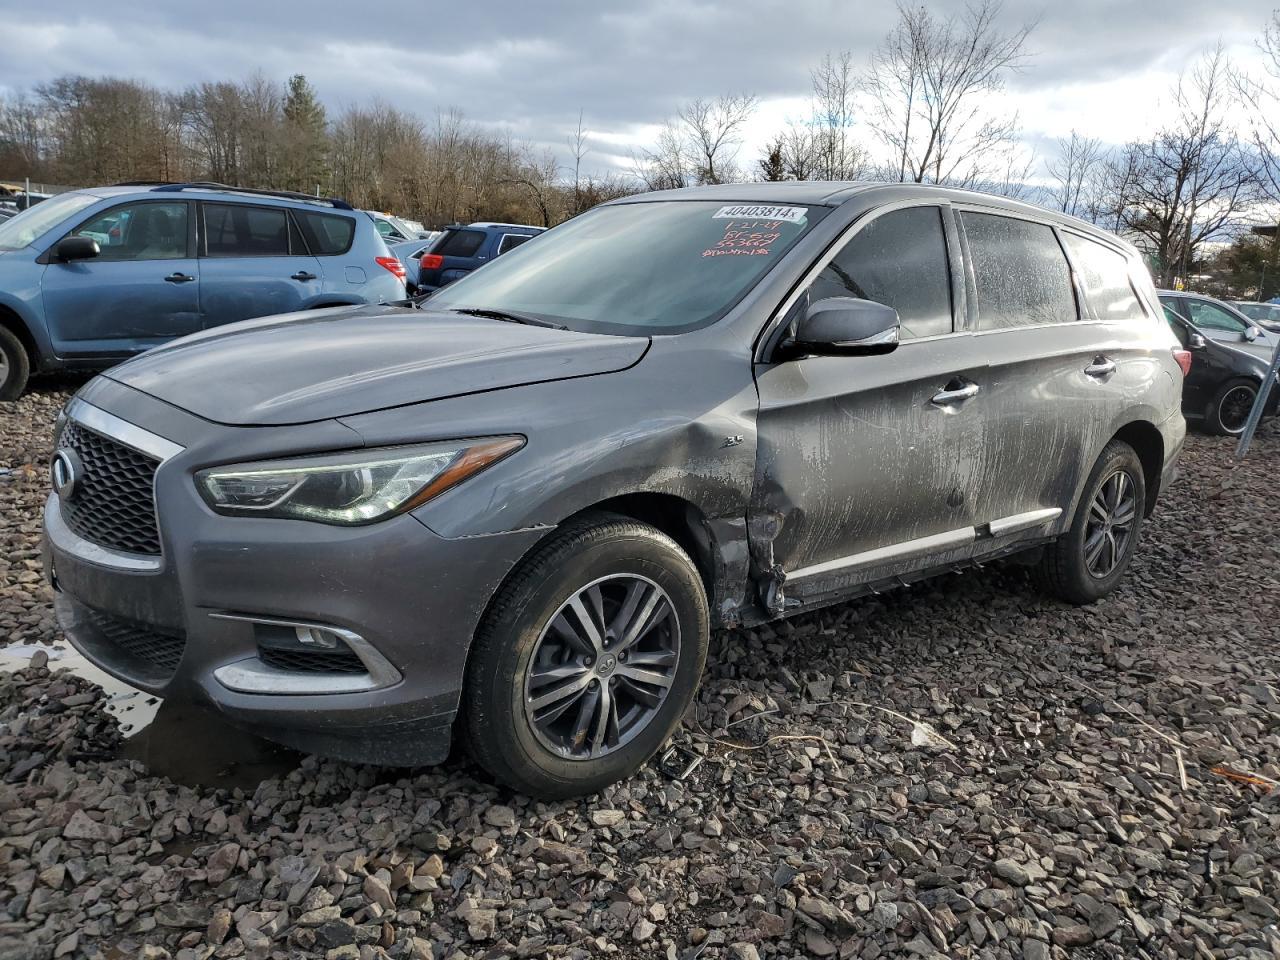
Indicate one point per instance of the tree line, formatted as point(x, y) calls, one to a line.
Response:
point(924, 107)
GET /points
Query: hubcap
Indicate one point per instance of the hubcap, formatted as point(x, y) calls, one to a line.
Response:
point(602, 667)
point(1233, 412)
point(4, 368)
point(1111, 517)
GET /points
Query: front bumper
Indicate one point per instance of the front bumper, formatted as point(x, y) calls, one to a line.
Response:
point(413, 597)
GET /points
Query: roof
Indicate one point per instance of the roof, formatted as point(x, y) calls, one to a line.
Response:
point(215, 190)
point(517, 226)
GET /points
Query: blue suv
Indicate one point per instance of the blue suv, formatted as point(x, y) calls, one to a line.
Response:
point(465, 248)
point(92, 277)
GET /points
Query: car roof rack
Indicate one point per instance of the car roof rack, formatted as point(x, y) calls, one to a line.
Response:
point(334, 202)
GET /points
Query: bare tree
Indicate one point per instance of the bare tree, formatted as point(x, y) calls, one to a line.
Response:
point(578, 149)
point(930, 86)
point(1076, 174)
point(830, 148)
point(713, 133)
point(1191, 181)
point(667, 166)
point(1263, 93)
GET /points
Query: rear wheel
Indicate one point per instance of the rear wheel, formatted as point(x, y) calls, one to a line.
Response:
point(1229, 410)
point(15, 365)
point(588, 657)
point(1088, 561)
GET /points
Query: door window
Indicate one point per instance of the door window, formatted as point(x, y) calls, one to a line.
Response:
point(1104, 273)
point(236, 230)
point(327, 234)
point(1208, 316)
point(139, 231)
point(510, 241)
point(898, 259)
point(1020, 271)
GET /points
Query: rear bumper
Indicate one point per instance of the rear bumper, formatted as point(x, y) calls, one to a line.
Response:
point(175, 625)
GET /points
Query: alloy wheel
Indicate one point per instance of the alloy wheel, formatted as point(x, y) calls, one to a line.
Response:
point(1110, 526)
point(1233, 410)
point(602, 667)
point(4, 368)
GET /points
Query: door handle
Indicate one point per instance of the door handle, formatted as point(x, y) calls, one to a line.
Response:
point(955, 393)
point(302, 275)
point(1101, 368)
point(179, 278)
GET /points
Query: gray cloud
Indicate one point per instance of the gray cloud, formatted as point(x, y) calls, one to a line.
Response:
point(529, 67)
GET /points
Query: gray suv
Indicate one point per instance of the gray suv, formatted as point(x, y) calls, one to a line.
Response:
point(516, 513)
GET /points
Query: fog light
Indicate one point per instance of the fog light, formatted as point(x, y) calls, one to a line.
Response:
point(318, 637)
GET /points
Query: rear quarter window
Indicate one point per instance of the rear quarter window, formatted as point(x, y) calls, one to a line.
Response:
point(1104, 274)
point(459, 243)
point(327, 234)
point(1020, 270)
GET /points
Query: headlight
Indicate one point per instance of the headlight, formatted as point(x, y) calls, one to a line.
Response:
point(350, 488)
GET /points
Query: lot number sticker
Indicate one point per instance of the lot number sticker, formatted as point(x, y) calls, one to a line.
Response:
point(760, 211)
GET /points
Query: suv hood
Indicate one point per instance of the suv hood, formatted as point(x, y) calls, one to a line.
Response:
point(321, 364)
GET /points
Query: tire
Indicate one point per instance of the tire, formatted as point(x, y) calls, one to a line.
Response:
point(516, 648)
point(15, 365)
point(1070, 570)
point(1230, 407)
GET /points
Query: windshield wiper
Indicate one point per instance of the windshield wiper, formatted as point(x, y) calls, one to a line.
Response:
point(510, 317)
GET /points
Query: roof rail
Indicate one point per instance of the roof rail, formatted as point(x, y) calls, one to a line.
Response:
point(334, 202)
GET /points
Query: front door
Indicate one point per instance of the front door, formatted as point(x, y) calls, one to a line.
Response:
point(142, 289)
point(865, 464)
point(254, 263)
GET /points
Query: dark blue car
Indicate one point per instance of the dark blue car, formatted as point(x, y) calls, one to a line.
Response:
point(464, 248)
point(91, 277)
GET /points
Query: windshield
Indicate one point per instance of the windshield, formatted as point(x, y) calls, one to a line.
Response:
point(21, 230)
point(637, 268)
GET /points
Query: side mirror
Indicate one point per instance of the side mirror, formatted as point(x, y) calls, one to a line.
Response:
point(76, 248)
point(1252, 333)
point(1196, 341)
point(846, 326)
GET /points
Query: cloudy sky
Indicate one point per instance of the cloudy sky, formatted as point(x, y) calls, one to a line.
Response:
point(529, 66)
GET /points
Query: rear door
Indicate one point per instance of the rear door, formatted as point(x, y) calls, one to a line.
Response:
point(1057, 376)
point(865, 463)
point(254, 263)
point(141, 290)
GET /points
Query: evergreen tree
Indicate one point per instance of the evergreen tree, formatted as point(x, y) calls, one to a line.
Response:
point(306, 155)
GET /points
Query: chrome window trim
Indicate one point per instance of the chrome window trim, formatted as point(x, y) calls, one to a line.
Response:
point(251, 675)
point(894, 551)
point(68, 541)
point(118, 429)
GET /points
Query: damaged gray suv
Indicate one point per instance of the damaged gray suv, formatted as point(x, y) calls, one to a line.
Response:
point(515, 514)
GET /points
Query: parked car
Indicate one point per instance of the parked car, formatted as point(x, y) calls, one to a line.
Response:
point(519, 510)
point(92, 277)
point(7, 212)
point(1216, 319)
point(393, 229)
point(1222, 383)
point(410, 254)
point(461, 249)
point(1265, 315)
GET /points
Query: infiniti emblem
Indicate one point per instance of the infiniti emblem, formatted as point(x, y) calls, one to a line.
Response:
point(607, 663)
point(66, 470)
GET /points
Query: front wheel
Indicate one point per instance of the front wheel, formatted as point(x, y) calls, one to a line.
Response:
point(1088, 561)
point(586, 660)
point(15, 365)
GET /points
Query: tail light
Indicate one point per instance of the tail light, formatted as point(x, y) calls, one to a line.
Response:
point(394, 265)
point(1183, 358)
point(431, 261)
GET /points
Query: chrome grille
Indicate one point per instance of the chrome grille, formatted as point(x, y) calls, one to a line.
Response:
point(114, 501)
point(140, 645)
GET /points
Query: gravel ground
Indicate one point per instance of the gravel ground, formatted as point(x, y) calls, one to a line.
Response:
point(959, 770)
